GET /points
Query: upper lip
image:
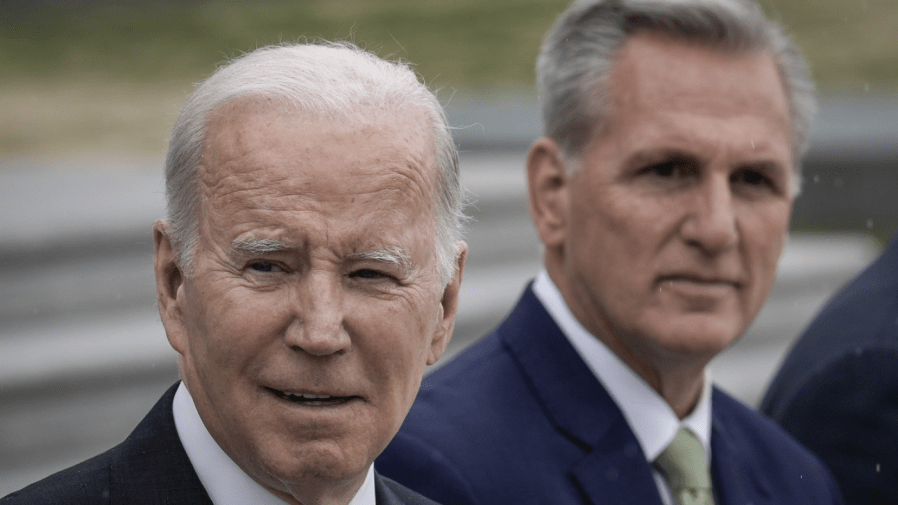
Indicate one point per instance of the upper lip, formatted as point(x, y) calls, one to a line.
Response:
point(310, 396)
point(702, 278)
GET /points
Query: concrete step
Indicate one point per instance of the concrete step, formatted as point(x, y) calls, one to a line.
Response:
point(115, 342)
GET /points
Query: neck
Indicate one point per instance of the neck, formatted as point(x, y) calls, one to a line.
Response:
point(681, 388)
point(321, 493)
point(678, 378)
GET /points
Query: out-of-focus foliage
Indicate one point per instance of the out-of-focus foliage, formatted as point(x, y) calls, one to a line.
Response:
point(458, 43)
point(851, 44)
point(453, 43)
point(104, 75)
point(109, 75)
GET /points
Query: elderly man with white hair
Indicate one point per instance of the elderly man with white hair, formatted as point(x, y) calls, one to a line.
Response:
point(307, 273)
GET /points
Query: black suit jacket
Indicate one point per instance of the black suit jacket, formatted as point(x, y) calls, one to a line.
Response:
point(837, 390)
point(520, 419)
point(151, 467)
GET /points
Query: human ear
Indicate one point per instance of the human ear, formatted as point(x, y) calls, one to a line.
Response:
point(548, 186)
point(169, 286)
point(449, 307)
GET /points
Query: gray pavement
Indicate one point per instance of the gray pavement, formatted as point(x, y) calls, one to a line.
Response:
point(82, 352)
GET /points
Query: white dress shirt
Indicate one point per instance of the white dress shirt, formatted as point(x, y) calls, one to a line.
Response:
point(650, 417)
point(224, 481)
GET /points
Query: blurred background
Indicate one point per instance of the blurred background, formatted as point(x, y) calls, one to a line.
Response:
point(88, 93)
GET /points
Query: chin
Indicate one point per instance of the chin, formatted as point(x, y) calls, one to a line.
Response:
point(314, 462)
point(701, 336)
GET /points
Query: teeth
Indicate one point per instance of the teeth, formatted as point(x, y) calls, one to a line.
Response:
point(308, 396)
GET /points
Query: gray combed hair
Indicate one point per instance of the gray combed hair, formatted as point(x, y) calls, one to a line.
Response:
point(324, 80)
point(578, 57)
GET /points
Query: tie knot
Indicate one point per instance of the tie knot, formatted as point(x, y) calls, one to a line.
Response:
point(685, 464)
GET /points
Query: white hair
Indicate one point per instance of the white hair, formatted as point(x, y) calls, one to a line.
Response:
point(322, 80)
point(578, 56)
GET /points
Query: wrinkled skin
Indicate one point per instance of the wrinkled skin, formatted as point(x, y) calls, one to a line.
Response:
point(315, 274)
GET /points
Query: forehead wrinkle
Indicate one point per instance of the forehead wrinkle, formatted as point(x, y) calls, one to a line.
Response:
point(665, 133)
point(413, 181)
point(236, 176)
point(411, 166)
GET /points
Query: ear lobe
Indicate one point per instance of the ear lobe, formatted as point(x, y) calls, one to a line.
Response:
point(449, 308)
point(548, 185)
point(169, 281)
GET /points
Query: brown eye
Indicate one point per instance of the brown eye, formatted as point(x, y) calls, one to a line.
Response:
point(752, 178)
point(672, 168)
point(666, 169)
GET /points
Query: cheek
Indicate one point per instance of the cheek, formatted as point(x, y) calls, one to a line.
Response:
point(228, 325)
point(394, 337)
point(630, 219)
point(765, 236)
point(623, 245)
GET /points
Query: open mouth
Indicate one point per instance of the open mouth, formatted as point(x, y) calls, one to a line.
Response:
point(310, 399)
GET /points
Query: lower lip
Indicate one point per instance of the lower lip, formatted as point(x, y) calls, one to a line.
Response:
point(697, 289)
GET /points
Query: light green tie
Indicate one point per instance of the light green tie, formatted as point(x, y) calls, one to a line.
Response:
point(685, 466)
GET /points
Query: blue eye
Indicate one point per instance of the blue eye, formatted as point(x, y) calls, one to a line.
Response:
point(367, 273)
point(262, 266)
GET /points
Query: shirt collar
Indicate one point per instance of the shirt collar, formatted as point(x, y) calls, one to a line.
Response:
point(650, 417)
point(225, 482)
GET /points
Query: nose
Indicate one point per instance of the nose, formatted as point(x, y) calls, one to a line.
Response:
point(710, 224)
point(318, 324)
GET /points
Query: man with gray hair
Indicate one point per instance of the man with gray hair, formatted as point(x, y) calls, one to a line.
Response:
point(661, 192)
point(307, 273)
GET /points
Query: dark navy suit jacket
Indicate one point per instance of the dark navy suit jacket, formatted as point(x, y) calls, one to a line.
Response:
point(151, 467)
point(520, 419)
point(837, 391)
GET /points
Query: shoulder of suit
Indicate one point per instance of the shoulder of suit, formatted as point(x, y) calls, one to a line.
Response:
point(88, 482)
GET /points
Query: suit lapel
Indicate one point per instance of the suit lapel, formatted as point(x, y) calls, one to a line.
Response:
point(615, 471)
point(736, 476)
point(383, 495)
point(152, 466)
point(613, 468)
point(390, 492)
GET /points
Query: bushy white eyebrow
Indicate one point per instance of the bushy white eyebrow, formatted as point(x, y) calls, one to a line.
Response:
point(393, 255)
point(258, 245)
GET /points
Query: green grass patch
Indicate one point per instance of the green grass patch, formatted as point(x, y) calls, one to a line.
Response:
point(851, 44)
point(110, 74)
point(458, 43)
point(463, 43)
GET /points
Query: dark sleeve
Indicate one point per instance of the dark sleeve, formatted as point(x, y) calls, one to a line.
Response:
point(424, 469)
point(848, 416)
